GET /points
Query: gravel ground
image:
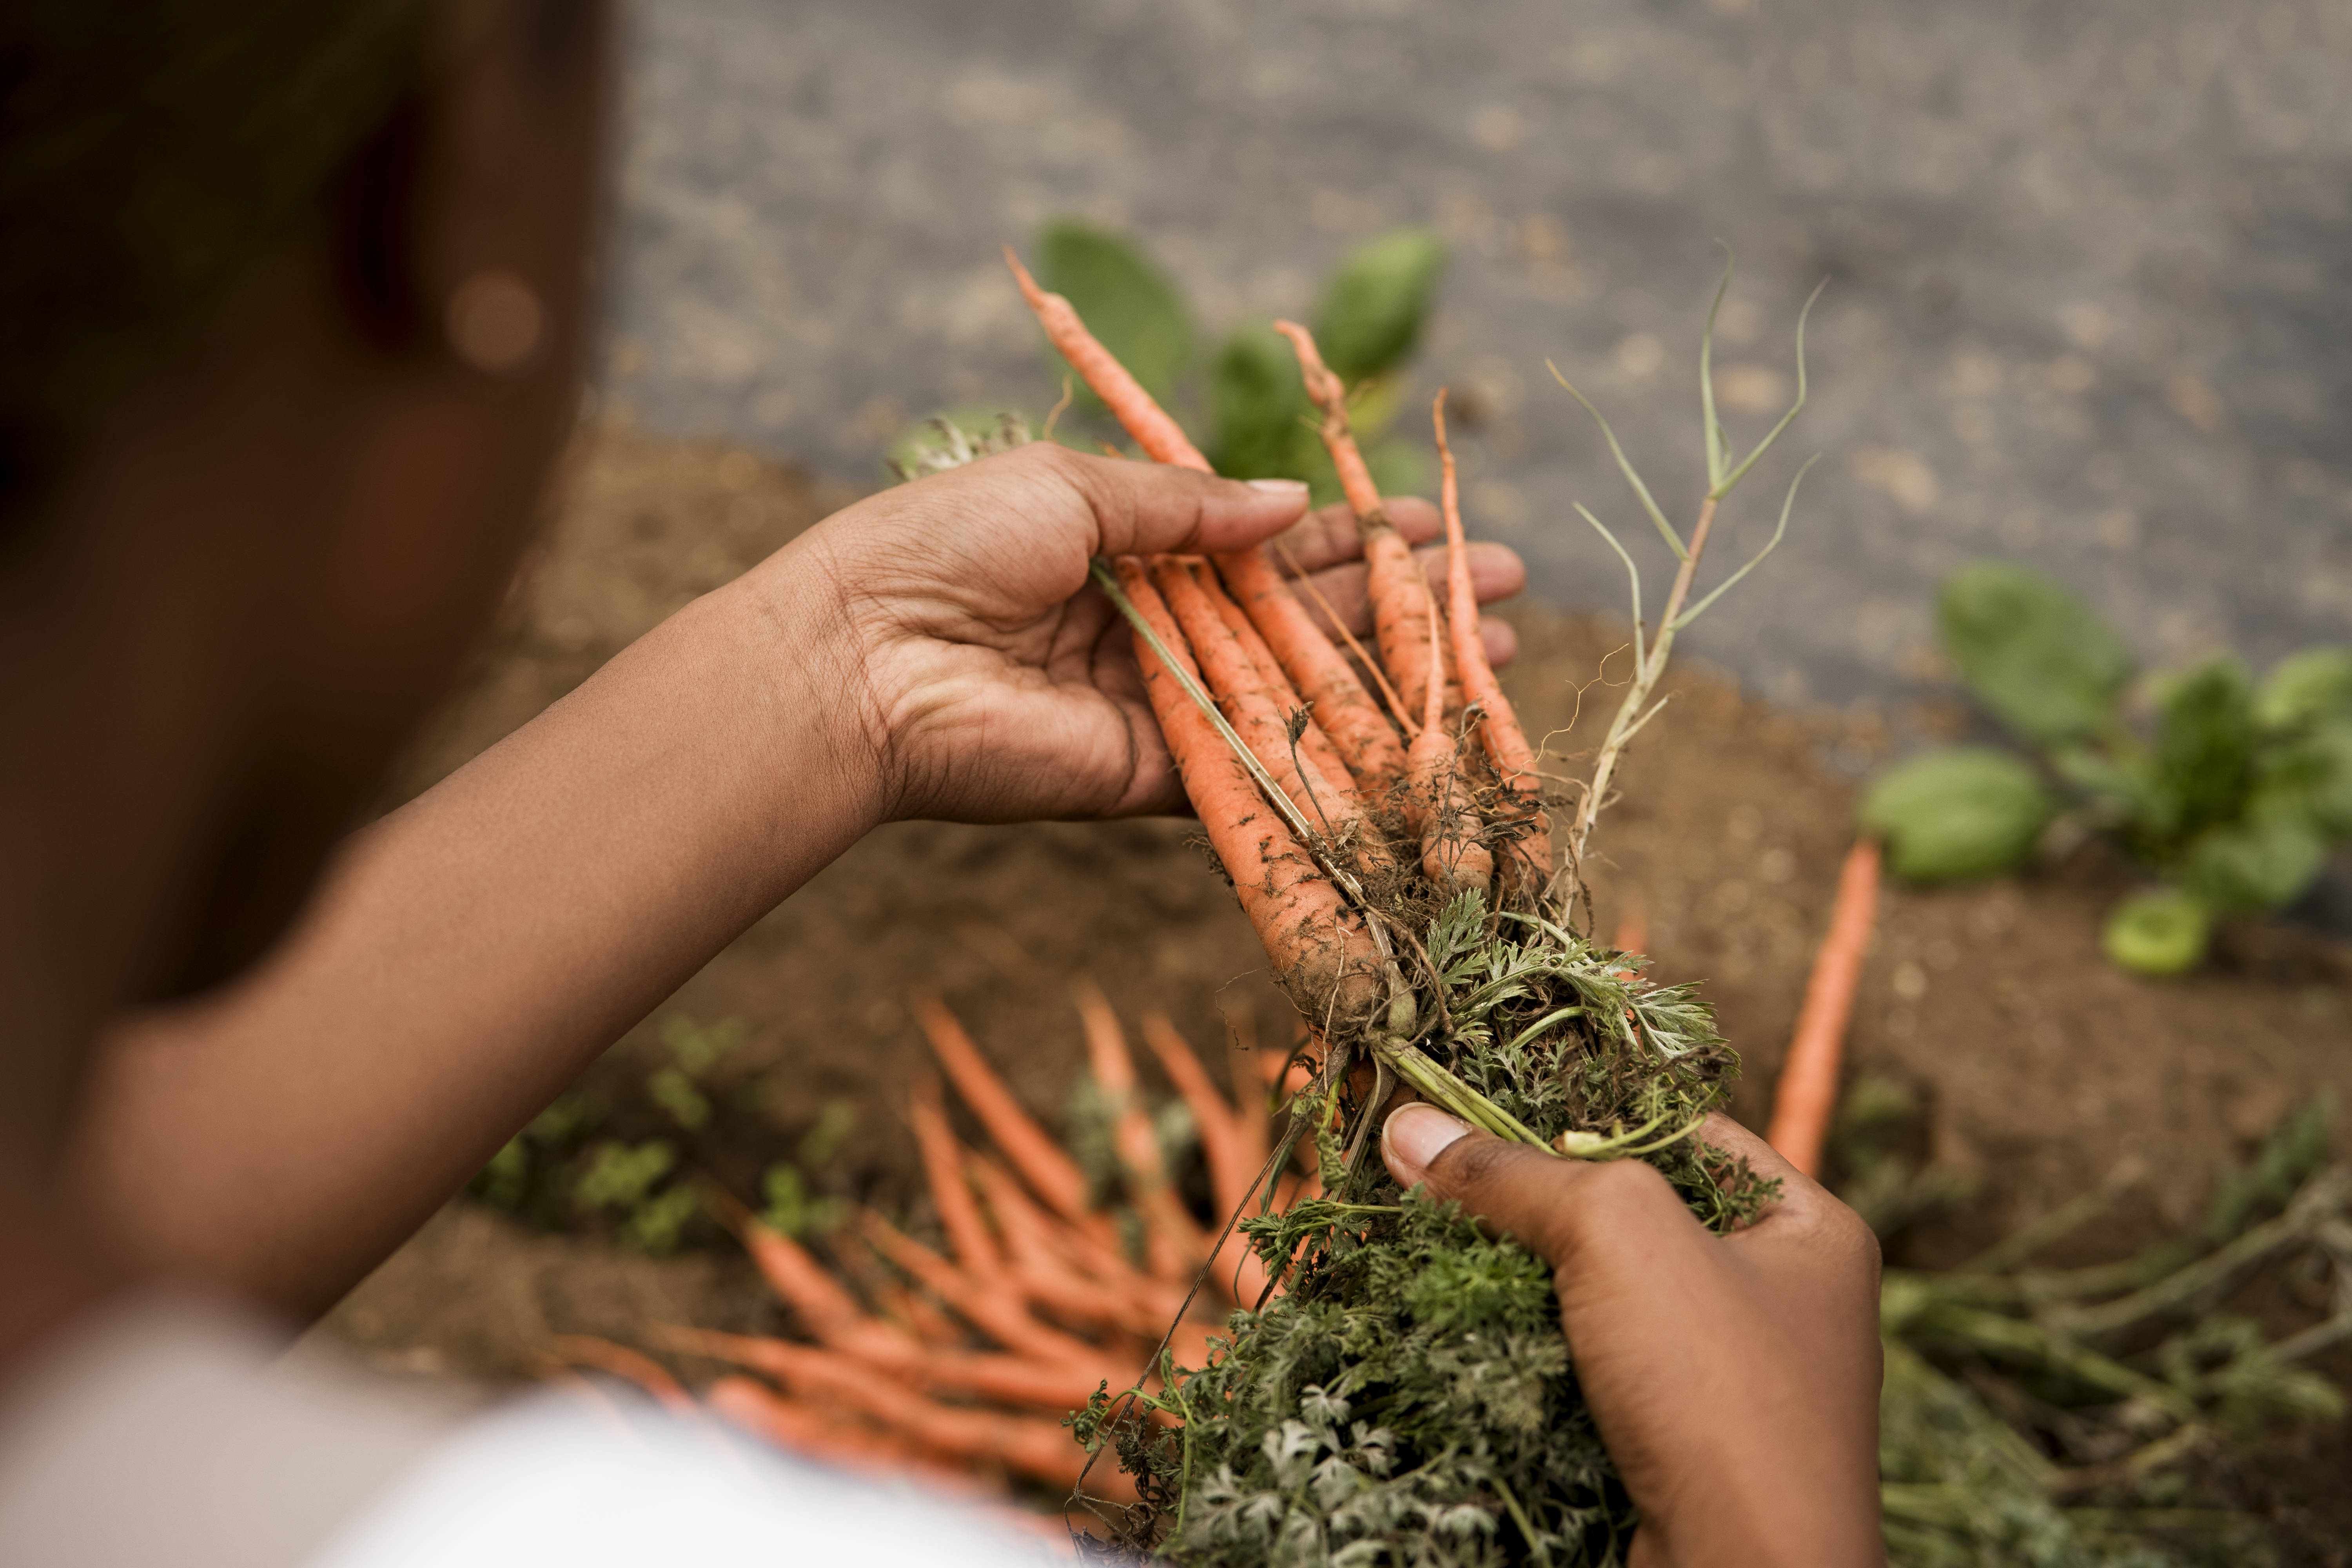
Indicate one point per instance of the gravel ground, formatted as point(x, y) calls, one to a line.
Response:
point(2085, 264)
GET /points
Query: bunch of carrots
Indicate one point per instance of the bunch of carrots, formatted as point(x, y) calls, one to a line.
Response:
point(1323, 784)
point(967, 1360)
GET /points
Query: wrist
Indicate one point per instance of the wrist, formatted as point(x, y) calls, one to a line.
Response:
point(819, 738)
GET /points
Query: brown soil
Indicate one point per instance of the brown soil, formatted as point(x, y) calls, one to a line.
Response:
point(2041, 1065)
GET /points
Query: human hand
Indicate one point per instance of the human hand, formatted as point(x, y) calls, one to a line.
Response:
point(993, 683)
point(1734, 1379)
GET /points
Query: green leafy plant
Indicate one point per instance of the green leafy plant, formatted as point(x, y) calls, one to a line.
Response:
point(1244, 391)
point(2062, 1417)
point(2230, 792)
point(625, 1164)
point(793, 1205)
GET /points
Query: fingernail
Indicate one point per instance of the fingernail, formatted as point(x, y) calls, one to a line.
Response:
point(1280, 487)
point(1414, 1135)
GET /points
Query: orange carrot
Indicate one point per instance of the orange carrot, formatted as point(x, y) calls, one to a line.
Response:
point(826, 1309)
point(1527, 854)
point(1040, 1162)
point(620, 1360)
point(1806, 1096)
point(1258, 716)
point(1233, 1168)
point(1055, 1266)
point(992, 1306)
point(1024, 1445)
point(943, 1166)
point(1162, 438)
point(1172, 1240)
point(1013, 1380)
point(1367, 742)
point(1231, 1172)
point(1314, 745)
point(1633, 934)
point(1397, 586)
point(1507, 744)
point(816, 1434)
point(1437, 806)
point(1322, 954)
point(1395, 710)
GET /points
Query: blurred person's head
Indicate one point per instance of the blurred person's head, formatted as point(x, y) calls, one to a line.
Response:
point(291, 307)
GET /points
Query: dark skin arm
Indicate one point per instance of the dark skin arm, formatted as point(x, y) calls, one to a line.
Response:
point(932, 652)
point(1733, 1378)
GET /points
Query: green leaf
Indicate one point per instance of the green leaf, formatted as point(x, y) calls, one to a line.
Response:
point(670, 1089)
point(2258, 862)
point(2205, 747)
point(2163, 931)
point(699, 1048)
point(1258, 406)
point(2036, 656)
point(834, 1125)
point(1966, 812)
point(1376, 300)
point(1124, 300)
point(2315, 685)
point(620, 1176)
point(2310, 778)
point(656, 1226)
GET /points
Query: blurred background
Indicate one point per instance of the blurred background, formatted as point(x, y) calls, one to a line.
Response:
point(2086, 267)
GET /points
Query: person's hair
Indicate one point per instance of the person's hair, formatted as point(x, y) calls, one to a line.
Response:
point(150, 151)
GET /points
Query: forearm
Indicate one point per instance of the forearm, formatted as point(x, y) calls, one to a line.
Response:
point(468, 954)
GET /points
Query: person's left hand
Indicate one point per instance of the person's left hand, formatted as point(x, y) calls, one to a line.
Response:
point(992, 681)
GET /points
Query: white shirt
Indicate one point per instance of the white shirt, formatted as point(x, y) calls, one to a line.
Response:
point(161, 1433)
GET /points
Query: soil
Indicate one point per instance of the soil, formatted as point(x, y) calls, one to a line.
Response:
point(2038, 1065)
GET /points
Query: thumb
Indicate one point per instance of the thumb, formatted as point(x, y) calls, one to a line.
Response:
point(1144, 508)
point(1539, 1200)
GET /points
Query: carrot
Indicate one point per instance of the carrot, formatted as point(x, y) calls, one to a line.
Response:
point(943, 1166)
point(1057, 1268)
point(620, 1360)
point(1396, 709)
point(1437, 806)
point(1025, 1445)
point(1040, 1162)
point(826, 1309)
point(1527, 853)
point(1313, 744)
point(1233, 1166)
point(1806, 1096)
point(816, 1434)
point(1345, 711)
point(993, 1306)
point(1398, 588)
point(1172, 1240)
point(1162, 438)
point(1633, 934)
point(1232, 1172)
point(1507, 744)
point(1013, 1380)
point(1256, 715)
point(1322, 954)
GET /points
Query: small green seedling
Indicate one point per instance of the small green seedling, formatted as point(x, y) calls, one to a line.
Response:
point(793, 1207)
point(695, 1049)
point(2230, 792)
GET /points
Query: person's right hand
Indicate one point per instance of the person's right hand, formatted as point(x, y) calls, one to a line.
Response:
point(1734, 1379)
